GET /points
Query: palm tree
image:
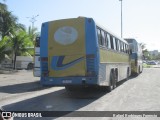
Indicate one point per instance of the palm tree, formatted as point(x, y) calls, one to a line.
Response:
point(19, 43)
point(8, 22)
point(32, 32)
point(4, 48)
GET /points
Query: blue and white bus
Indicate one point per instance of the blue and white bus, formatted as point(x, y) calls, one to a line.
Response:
point(78, 52)
point(136, 56)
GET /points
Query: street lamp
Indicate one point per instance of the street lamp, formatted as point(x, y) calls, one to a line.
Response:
point(33, 19)
point(121, 20)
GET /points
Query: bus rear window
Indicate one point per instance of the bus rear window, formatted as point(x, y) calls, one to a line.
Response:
point(37, 42)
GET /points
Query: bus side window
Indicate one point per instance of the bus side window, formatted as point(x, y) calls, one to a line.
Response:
point(126, 48)
point(99, 36)
point(122, 48)
point(103, 38)
point(114, 43)
point(124, 45)
point(109, 42)
point(118, 45)
point(37, 43)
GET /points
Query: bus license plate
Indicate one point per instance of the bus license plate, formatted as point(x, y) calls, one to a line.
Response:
point(67, 81)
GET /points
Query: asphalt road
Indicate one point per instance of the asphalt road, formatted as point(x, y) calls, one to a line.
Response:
point(22, 92)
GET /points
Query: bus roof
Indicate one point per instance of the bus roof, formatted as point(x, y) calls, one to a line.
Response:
point(97, 24)
point(107, 30)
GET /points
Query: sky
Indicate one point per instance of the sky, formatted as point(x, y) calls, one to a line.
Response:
point(141, 18)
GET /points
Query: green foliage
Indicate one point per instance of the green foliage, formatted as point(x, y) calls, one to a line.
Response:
point(146, 66)
point(8, 22)
point(20, 42)
point(155, 57)
point(3, 48)
point(15, 40)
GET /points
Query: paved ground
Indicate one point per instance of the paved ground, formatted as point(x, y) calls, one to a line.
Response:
point(23, 92)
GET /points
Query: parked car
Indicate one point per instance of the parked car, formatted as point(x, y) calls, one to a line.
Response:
point(152, 63)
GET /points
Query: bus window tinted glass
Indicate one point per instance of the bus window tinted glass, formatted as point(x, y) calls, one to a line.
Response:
point(111, 40)
point(37, 42)
point(99, 36)
point(103, 36)
point(109, 43)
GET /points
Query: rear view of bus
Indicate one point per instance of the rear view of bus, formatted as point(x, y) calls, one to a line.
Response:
point(68, 52)
point(136, 57)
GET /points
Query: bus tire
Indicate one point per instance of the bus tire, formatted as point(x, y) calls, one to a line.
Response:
point(115, 79)
point(70, 88)
point(30, 66)
point(138, 71)
point(141, 70)
point(112, 82)
point(127, 74)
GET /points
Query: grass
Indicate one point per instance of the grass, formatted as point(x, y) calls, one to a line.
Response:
point(146, 66)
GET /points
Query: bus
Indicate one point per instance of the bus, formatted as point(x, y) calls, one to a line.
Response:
point(36, 70)
point(78, 52)
point(136, 56)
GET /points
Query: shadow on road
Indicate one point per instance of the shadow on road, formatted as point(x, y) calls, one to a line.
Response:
point(60, 100)
point(21, 88)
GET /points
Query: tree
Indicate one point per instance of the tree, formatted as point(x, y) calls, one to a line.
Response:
point(145, 51)
point(4, 48)
point(32, 32)
point(19, 43)
point(8, 22)
point(143, 45)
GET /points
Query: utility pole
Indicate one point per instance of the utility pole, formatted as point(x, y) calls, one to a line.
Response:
point(121, 21)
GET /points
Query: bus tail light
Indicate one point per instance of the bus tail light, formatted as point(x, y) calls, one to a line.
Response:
point(44, 59)
point(90, 59)
point(45, 74)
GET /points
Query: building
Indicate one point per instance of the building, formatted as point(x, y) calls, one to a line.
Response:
point(154, 53)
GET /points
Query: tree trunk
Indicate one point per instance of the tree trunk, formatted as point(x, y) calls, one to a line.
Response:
point(14, 64)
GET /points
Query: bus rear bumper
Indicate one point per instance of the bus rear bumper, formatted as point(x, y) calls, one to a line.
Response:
point(50, 81)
